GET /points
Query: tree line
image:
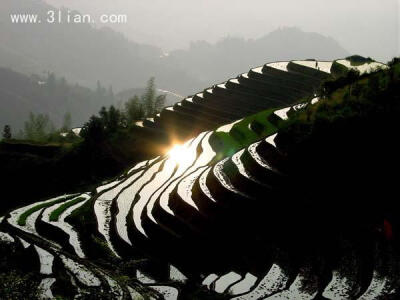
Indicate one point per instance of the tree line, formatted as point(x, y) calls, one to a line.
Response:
point(40, 128)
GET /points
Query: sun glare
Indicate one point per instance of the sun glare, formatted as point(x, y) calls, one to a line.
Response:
point(180, 154)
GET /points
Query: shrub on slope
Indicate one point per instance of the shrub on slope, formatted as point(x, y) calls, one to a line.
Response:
point(243, 133)
point(342, 152)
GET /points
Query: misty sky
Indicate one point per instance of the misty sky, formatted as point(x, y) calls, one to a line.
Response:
point(367, 27)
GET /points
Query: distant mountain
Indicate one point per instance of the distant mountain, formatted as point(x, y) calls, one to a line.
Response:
point(211, 63)
point(84, 54)
point(81, 52)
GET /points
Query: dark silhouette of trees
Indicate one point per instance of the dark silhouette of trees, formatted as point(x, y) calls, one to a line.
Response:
point(109, 122)
point(138, 108)
point(151, 101)
point(115, 120)
point(93, 130)
point(159, 103)
point(38, 127)
point(357, 60)
point(67, 122)
point(7, 135)
point(134, 110)
point(148, 98)
point(346, 79)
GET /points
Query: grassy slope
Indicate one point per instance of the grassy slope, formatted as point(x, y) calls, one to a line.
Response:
point(343, 151)
point(226, 144)
point(355, 96)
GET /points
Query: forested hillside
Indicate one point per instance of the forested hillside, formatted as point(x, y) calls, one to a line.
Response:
point(54, 96)
point(21, 94)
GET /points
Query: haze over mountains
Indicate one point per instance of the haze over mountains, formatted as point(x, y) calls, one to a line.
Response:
point(79, 52)
point(215, 62)
point(368, 27)
point(85, 54)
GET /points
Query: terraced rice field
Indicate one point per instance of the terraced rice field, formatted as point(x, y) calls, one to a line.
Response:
point(191, 215)
point(365, 68)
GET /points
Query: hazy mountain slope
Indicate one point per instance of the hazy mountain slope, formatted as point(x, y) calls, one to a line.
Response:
point(21, 94)
point(84, 54)
point(81, 52)
point(213, 63)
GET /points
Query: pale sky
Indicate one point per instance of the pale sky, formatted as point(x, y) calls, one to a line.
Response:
point(367, 27)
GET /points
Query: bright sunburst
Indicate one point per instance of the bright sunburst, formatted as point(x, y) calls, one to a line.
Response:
point(180, 154)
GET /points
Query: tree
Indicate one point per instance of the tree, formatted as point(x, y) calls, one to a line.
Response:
point(7, 132)
point(38, 127)
point(146, 106)
point(134, 110)
point(104, 115)
point(114, 120)
point(67, 122)
point(148, 98)
point(159, 103)
point(100, 127)
point(93, 130)
point(152, 103)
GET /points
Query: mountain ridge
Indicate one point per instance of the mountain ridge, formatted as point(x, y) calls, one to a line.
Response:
point(84, 54)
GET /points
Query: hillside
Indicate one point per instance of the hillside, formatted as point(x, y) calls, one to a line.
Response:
point(267, 86)
point(47, 94)
point(292, 202)
point(21, 94)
